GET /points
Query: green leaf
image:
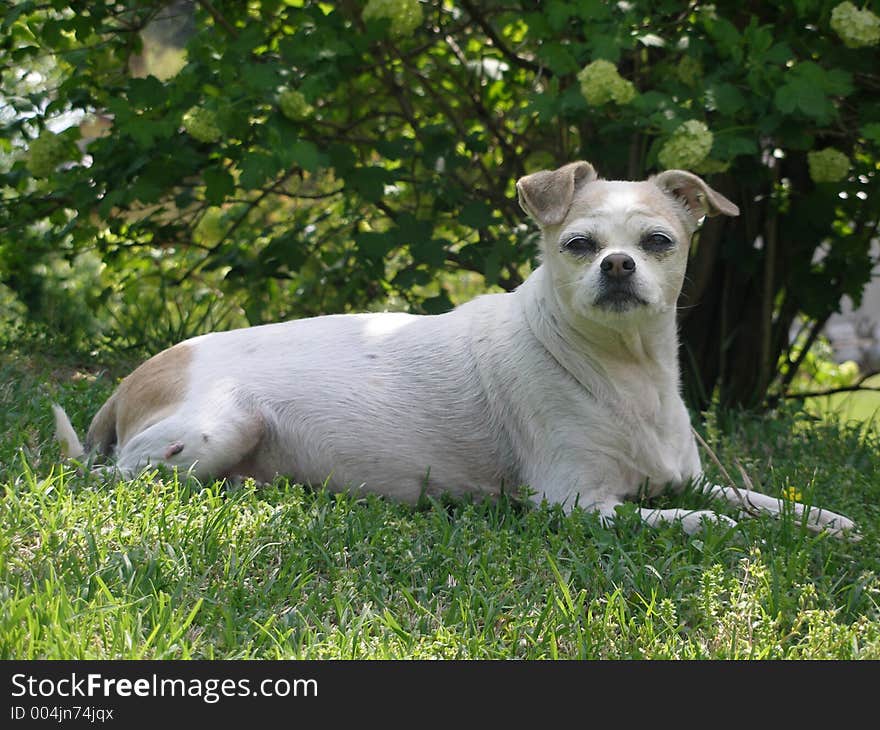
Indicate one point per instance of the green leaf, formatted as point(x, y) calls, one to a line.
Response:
point(545, 105)
point(725, 34)
point(758, 38)
point(808, 98)
point(394, 149)
point(11, 14)
point(833, 81)
point(438, 141)
point(813, 102)
point(142, 130)
point(476, 215)
point(727, 146)
point(409, 228)
point(786, 98)
point(83, 25)
point(373, 245)
point(808, 87)
point(51, 32)
point(287, 249)
point(779, 53)
point(655, 103)
point(256, 169)
point(305, 154)
point(726, 98)
point(369, 181)
point(594, 10)
point(429, 251)
point(218, 185)
point(22, 53)
point(558, 13)
point(407, 278)
point(145, 189)
point(248, 38)
point(342, 158)
point(147, 92)
point(558, 57)
point(871, 131)
point(792, 133)
point(492, 267)
point(262, 77)
point(605, 46)
point(438, 304)
point(572, 103)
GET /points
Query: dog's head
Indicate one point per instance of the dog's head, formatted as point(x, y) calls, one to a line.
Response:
point(613, 248)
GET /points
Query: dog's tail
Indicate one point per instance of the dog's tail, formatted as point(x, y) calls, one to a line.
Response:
point(71, 446)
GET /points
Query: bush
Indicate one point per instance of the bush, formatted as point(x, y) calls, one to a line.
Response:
point(355, 156)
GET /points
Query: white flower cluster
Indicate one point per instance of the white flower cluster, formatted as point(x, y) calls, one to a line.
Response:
point(405, 15)
point(46, 153)
point(856, 28)
point(201, 124)
point(828, 165)
point(294, 105)
point(688, 146)
point(601, 84)
point(689, 71)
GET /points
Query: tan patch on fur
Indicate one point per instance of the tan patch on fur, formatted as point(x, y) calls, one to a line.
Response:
point(102, 431)
point(152, 392)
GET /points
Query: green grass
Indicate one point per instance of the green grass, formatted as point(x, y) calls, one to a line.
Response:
point(171, 569)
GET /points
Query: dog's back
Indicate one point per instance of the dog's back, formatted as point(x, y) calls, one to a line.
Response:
point(393, 403)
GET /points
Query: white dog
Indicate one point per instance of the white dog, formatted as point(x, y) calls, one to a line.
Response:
point(569, 385)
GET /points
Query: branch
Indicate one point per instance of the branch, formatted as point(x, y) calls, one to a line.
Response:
point(831, 391)
point(276, 188)
point(771, 231)
point(410, 116)
point(265, 192)
point(218, 17)
point(794, 365)
point(483, 112)
point(487, 28)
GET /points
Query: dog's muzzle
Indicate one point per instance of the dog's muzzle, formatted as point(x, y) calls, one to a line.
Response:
point(619, 299)
point(616, 290)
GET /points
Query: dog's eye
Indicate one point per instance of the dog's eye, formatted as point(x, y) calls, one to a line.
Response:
point(657, 242)
point(580, 245)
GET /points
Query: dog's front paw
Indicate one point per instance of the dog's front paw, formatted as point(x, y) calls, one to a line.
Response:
point(694, 522)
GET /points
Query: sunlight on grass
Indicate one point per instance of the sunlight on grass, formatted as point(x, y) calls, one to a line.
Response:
point(858, 406)
point(163, 568)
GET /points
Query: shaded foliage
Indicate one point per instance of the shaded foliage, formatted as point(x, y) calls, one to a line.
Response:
point(312, 157)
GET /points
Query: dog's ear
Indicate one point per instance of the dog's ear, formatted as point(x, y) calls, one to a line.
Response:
point(546, 196)
point(698, 197)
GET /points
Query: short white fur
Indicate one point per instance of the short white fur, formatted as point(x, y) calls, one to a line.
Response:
point(539, 387)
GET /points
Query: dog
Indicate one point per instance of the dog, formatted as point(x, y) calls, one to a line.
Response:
point(569, 385)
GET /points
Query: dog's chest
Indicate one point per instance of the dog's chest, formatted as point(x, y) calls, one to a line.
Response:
point(652, 432)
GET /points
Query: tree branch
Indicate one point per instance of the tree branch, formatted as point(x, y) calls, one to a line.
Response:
point(264, 193)
point(218, 17)
point(771, 230)
point(794, 366)
point(487, 28)
point(832, 391)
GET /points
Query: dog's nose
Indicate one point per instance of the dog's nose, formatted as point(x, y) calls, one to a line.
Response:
point(618, 265)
